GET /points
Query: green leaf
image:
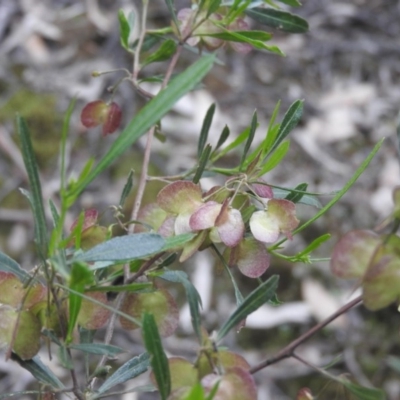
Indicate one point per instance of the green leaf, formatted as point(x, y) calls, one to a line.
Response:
point(35, 198)
point(171, 9)
point(196, 393)
point(149, 115)
point(250, 138)
point(307, 199)
point(7, 264)
point(54, 213)
point(98, 348)
point(205, 130)
point(125, 29)
point(124, 248)
point(275, 158)
point(19, 394)
point(222, 138)
point(254, 38)
point(278, 19)
point(50, 334)
point(240, 139)
point(213, 6)
point(99, 303)
point(158, 359)
point(40, 371)
point(363, 393)
point(131, 369)
point(272, 130)
point(192, 295)
point(293, 3)
point(313, 245)
point(340, 193)
point(64, 357)
point(131, 287)
point(238, 294)
point(242, 36)
point(290, 120)
point(176, 242)
point(80, 277)
point(252, 302)
point(295, 196)
point(127, 189)
point(163, 53)
point(205, 156)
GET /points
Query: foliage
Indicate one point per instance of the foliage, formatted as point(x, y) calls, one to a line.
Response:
point(87, 277)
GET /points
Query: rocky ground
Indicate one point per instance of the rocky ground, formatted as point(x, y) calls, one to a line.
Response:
point(347, 69)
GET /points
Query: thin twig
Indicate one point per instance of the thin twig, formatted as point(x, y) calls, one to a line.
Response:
point(136, 58)
point(288, 351)
point(144, 268)
point(109, 333)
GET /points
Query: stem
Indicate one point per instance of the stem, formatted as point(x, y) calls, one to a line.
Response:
point(309, 365)
point(288, 351)
point(136, 58)
point(147, 152)
point(109, 333)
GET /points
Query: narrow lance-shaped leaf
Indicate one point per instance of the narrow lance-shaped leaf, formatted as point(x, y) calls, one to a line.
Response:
point(124, 30)
point(290, 120)
point(148, 116)
point(7, 264)
point(40, 371)
point(98, 348)
point(278, 19)
point(177, 241)
point(249, 37)
point(54, 213)
point(131, 369)
point(99, 303)
point(339, 194)
point(296, 194)
point(192, 295)
point(64, 357)
point(272, 130)
point(240, 139)
point(163, 53)
point(205, 156)
point(363, 393)
point(131, 287)
point(80, 276)
point(242, 36)
point(124, 248)
point(250, 138)
point(275, 158)
point(127, 188)
point(238, 294)
point(158, 359)
point(35, 198)
point(213, 6)
point(205, 130)
point(222, 138)
point(171, 9)
point(252, 302)
point(293, 3)
point(313, 245)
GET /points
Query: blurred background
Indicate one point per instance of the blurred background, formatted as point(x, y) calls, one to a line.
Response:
point(346, 68)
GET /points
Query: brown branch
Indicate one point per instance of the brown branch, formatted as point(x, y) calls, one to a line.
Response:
point(288, 351)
